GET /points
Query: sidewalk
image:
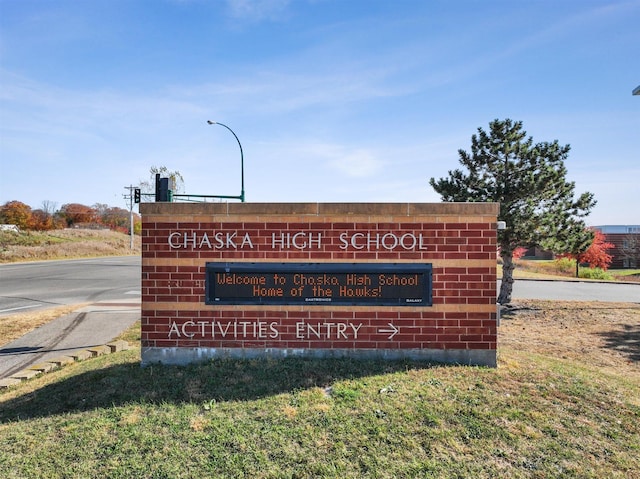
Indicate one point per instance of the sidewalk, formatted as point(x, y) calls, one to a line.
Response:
point(89, 327)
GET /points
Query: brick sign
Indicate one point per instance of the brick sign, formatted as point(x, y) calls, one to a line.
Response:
point(343, 280)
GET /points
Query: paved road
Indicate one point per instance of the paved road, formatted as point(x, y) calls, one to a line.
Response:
point(576, 291)
point(93, 325)
point(32, 286)
point(111, 285)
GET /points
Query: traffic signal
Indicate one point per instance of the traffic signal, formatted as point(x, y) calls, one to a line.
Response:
point(163, 190)
point(136, 195)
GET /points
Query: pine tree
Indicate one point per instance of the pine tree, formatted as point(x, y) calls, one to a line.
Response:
point(529, 181)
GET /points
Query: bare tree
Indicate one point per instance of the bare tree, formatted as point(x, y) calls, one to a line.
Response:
point(175, 178)
point(49, 207)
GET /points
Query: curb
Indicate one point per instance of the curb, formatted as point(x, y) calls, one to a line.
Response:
point(575, 280)
point(53, 364)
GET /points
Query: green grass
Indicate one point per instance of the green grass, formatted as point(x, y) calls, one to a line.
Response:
point(565, 269)
point(64, 244)
point(626, 274)
point(28, 238)
point(533, 416)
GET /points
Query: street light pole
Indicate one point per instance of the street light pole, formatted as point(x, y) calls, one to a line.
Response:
point(130, 198)
point(241, 157)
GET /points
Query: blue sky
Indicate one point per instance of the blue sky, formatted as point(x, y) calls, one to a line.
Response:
point(332, 100)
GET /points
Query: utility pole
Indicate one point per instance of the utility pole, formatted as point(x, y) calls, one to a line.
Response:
point(129, 197)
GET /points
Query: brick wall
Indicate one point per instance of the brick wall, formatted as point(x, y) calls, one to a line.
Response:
point(458, 240)
point(626, 250)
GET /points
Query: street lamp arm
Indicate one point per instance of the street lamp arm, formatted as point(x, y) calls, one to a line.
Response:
point(241, 156)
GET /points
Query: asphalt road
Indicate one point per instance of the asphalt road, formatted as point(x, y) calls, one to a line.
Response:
point(93, 325)
point(38, 285)
point(575, 291)
point(111, 286)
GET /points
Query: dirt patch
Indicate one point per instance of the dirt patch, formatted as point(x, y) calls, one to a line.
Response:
point(17, 325)
point(606, 335)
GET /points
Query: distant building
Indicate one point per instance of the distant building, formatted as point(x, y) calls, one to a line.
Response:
point(537, 253)
point(12, 228)
point(626, 241)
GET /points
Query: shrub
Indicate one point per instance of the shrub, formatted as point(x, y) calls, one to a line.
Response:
point(595, 273)
point(565, 265)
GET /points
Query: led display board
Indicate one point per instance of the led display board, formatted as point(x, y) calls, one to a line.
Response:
point(383, 284)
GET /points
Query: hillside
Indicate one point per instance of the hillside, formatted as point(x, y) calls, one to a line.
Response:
point(64, 244)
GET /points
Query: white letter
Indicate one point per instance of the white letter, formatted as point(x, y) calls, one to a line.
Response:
point(353, 240)
point(343, 240)
point(422, 245)
point(230, 238)
point(355, 330)
point(192, 240)
point(393, 245)
point(171, 244)
point(376, 241)
point(275, 241)
point(341, 328)
point(274, 332)
point(246, 240)
point(203, 325)
point(184, 330)
point(295, 242)
point(300, 330)
point(311, 240)
point(174, 329)
point(412, 237)
point(204, 240)
point(219, 242)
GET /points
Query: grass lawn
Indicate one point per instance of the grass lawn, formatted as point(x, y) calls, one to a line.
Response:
point(564, 402)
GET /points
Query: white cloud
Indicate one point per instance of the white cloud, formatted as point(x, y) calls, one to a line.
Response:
point(359, 163)
point(257, 10)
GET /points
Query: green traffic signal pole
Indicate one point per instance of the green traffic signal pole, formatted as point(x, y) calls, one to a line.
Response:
point(241, 197)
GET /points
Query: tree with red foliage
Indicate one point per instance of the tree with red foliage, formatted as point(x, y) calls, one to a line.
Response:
point(75, 213)
point(41, 220)
point(519, 252)
point(116, 219)
point(596, 255)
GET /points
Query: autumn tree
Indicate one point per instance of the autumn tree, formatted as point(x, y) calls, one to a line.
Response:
point(41, 221)
point(100, 210)
point(75, 213)
point(529, 181)
point(596, 255)
point(16, 213)
point(115, 218)
point(43, 218)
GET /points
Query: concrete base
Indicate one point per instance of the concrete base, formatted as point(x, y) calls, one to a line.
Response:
point(183, 356)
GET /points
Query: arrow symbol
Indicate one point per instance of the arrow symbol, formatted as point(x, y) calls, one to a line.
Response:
point(393, 330)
